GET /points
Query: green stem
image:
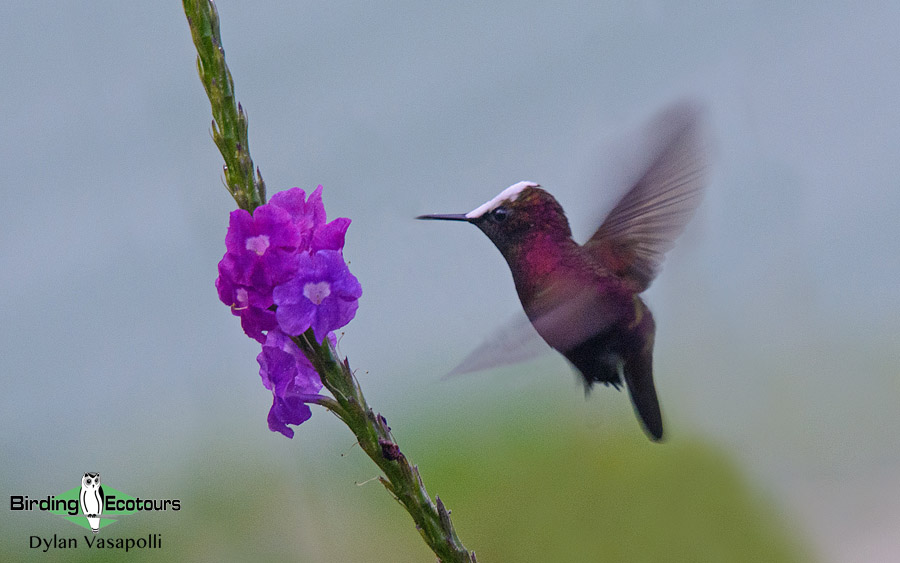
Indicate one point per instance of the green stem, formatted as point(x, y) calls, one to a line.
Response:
point(229, 126)
point(229, 129)
point(402, 479)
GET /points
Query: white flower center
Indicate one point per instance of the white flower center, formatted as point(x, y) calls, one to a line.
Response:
point(317, 292)
point(241, 298)
point(258, 244)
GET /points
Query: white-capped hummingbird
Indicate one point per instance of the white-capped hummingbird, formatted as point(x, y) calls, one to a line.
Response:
point(584, 300)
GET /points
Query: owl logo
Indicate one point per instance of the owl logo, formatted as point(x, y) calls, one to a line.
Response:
point(91, 499)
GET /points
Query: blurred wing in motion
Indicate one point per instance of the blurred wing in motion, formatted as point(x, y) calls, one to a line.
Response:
point(642, 227)
point(514, 342)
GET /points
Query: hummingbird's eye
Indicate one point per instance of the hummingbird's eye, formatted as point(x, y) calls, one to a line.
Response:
point(500, 214)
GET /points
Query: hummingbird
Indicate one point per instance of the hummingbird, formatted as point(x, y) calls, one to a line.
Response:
point(584, 299)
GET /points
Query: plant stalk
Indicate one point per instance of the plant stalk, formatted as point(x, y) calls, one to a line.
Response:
point(401, 478)
point(229, 131)
point(229, 125)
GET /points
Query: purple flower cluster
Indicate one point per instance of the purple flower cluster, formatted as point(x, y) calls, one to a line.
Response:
point(283, 273)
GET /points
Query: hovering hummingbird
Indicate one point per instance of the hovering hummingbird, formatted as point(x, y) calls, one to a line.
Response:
point(584, 300)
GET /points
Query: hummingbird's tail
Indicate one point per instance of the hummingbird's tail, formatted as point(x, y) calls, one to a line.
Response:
point(605, 357)
point(638, 370)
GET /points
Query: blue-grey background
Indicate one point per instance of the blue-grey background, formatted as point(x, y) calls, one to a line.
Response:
point(778, 328)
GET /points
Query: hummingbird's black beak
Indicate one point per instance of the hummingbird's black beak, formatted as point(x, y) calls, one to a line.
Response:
point(451, 217)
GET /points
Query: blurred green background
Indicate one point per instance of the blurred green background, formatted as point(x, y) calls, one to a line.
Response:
point(778, 347)
point(540, 481)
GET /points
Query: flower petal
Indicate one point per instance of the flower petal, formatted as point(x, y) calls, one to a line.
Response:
point(256, 321)
point(331, 235)
point(326, 319)
point(296, 318)
point(287, 410)
point(347, 286)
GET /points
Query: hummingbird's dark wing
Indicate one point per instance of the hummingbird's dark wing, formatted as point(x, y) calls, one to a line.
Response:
point(514, 342)
point(642, 227)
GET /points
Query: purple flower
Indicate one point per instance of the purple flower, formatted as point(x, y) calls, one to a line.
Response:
point(309, 217)
point(291, 378)
point(261, 251)
point(246, 302)
point(323, 295)
point(287, 410)
point(262, 247)
point(264, 250)
point(287, 254)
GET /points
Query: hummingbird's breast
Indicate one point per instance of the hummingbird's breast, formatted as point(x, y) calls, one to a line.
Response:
point(565, 295)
